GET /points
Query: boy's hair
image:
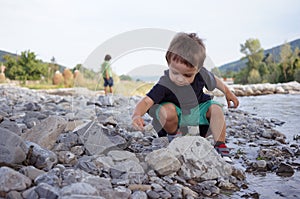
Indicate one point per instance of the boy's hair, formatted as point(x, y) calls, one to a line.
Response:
point(107, 58)
point(187, 49)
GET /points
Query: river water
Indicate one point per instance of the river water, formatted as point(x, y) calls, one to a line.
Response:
point(286, 108)
point(282, 107)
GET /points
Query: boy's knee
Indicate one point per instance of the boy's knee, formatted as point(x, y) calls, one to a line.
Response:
point(214, 109)
point(168, 112)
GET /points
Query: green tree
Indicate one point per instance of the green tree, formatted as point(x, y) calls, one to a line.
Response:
point(274, 73)
point(263, 69)
point(271, 71)
point(241, 77)
point(11, 67)
point(87, 73)
point(297, 75)
point(78, 67)
point(296, 64)
point(286, 62)
point(254, 53)
point(25, 67)
point(254, 77)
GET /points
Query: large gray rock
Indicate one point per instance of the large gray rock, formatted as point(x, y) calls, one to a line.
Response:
point(11, 180)
point(40, 158)
point(163, 161)
point(45, 190)
point(199, 159)
point(45, 134)
point(12, 147)
point(96, 141)
point(128, 170)
point(190, 156)
point(31, 172)
point(11, 126)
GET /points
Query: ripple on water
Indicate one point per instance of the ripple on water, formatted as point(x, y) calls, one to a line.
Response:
point(272, 186)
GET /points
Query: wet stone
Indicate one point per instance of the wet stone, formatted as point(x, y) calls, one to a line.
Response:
point(285, 170)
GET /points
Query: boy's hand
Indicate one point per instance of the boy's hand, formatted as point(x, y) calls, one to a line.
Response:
point(138, 123)
point(230, 97)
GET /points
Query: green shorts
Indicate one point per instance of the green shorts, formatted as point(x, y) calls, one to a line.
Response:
point(197, 115)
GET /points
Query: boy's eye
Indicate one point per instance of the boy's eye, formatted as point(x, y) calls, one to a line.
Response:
point(187, 75)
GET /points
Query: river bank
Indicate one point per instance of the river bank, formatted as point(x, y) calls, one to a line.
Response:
point(262, 89)
point(73, 145)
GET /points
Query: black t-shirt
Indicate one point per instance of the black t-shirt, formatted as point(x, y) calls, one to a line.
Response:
point(185, 97)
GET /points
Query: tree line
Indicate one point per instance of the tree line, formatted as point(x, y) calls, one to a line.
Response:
point(261, 68)
point(26, 66)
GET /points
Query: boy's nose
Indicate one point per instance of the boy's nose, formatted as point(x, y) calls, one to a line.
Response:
point(181, 79)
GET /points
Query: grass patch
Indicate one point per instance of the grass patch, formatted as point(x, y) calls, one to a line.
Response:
point(130, 88)
point(43, 86)
point(121, 87)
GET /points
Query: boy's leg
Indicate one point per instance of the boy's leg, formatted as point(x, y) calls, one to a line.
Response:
point(105, 90)
point(218, 129)
point(105, 84)
point(217, 123)
point(110, 84)
point(168, 118)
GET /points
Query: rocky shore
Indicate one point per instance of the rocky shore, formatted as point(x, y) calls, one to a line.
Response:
point(263, 89)
point(80, 145)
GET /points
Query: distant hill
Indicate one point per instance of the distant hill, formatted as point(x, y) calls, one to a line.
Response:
point(275, 51)
point(2, 53)
point(147, 73)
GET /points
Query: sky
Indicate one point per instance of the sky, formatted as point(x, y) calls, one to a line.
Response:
point(73, 31)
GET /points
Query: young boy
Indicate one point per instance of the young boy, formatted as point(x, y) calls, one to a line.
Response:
point(107, 74)
point(177, 100)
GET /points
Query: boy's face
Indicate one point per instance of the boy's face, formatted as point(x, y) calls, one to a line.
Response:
point(181, 74)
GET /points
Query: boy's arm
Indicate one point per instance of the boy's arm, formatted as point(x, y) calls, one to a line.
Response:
point(230, 97)
point(141, 108)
